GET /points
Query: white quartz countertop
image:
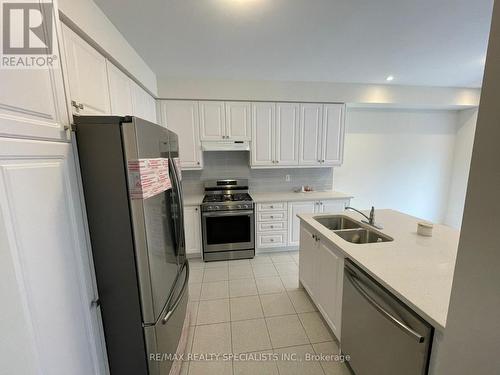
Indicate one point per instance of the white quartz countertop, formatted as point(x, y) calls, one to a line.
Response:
point(289, 196)
point(282, 196)
point(418, 270)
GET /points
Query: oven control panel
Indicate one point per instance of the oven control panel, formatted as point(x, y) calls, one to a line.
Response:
point(227, 207)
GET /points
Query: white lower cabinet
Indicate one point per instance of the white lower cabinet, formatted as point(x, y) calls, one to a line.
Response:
point(307, 257)
point(321, 272)
point(333, 206)
point(330, 279)
point(271, 223)
point(295, 208)
point(271, 239)
point(273, 220)
point(192, 230)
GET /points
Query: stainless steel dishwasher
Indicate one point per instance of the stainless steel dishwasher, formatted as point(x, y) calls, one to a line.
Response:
point(381, 335)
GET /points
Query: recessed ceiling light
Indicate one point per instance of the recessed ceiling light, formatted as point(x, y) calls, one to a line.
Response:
point(389, 78)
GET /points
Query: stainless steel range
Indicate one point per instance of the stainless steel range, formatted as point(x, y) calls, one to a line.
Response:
point(227, 220)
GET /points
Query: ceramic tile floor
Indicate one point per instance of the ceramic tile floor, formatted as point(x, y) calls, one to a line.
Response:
point(255, 306)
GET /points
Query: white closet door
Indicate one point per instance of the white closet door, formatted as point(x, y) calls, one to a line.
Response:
point(120, 90)
point(310, 134)
point(263, 120)
point(48, 323)
point(287, 134)
point(87, 75)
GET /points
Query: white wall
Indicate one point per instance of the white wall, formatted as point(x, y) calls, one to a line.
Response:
point(400, 159)
point(466, 128)
point(88, 17)
point(472, 335)
point(357, 94)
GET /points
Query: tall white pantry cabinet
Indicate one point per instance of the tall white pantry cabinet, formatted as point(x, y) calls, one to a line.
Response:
point(48, 322)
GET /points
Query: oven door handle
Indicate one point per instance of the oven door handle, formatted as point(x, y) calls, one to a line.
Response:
point(227, 213)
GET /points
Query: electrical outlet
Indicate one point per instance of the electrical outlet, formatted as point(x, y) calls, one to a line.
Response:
point(287, 178)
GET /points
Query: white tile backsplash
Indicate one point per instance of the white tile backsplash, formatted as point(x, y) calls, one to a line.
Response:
point(236, 164)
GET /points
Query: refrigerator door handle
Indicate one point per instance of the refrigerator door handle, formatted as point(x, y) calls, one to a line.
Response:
point(180, 204)
point(179, 298)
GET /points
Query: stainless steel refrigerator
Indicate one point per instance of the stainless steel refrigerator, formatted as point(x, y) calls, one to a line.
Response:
point(138, 244)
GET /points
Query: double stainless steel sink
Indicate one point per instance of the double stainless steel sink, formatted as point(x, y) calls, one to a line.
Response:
point(352, 230)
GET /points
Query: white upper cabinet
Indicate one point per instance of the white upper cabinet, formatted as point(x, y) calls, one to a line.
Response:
point(181, 116)
point(310, 133)
point(263, 119)
point(33, 103)
point(287, 134)
point(87, 76)
point(144, 105)
point(120, 89)
point(332, 149)
point(212, 121)
point(238, 121)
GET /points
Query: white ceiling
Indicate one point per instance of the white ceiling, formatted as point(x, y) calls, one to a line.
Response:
point(419, 42)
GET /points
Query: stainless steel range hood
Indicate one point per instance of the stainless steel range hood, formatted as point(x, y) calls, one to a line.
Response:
point(225, 146)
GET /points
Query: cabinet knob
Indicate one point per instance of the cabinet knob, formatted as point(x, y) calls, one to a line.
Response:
point(271, 206)
point(272, 217)
point(198, 163)
point(272, 239)
point(196, 209)
point(272, 226)
point(80, 106)
point(322, 161)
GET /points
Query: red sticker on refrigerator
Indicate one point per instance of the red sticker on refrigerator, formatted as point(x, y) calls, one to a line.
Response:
point(148, 177)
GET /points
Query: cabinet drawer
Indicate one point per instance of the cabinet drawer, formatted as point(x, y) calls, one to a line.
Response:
point(271, 206)
point(271, 226)
point(272, 216)
point(275, 239)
